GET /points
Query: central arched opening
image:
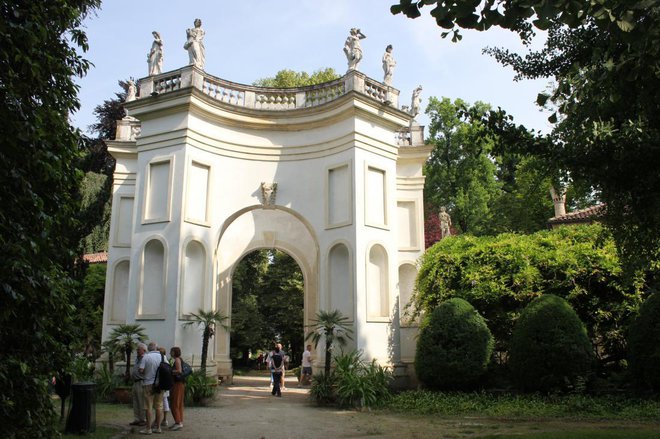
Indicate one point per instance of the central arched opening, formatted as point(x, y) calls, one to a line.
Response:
point(283, 232)
point(268, 302)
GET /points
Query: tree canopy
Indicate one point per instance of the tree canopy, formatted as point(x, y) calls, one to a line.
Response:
point(288, 78)
point(39, 55)
point(603, 56)
point(267, 305)
point(485, 186)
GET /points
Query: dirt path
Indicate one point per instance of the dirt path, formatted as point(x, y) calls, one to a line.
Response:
point(246, 410)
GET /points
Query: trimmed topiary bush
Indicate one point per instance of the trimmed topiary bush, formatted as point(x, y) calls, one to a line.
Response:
point(454, 346)
point(550, 349)
point(643, 347)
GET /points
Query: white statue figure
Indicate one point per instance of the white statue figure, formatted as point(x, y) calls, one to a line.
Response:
point(131, 91)
point(388, 65)
point(268, 193)
point(195, 45)
point(135, 132)
point(416, 102)
point(155, 55)
point(352, 48)
point(445, 223)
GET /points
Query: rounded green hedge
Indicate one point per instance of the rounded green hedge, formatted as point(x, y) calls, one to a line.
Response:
point(454, 346)
point(549, 349)
point(643, 346)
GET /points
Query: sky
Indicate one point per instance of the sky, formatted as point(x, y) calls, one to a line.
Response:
point(250, 39)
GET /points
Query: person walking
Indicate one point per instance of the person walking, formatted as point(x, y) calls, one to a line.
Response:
point(306, 374)
point(178, 389)
point(277, 368)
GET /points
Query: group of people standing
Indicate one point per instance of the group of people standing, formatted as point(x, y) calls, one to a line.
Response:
point(147, 398)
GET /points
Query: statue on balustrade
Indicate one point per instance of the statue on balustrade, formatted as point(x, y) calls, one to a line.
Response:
point(445, 223)
point(352, 48)
point(388, 65)
point(131, 91)
point(195, 45)
point(155, 55)
point(416, 103)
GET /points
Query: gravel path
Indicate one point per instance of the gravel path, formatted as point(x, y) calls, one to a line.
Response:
point(246, 409)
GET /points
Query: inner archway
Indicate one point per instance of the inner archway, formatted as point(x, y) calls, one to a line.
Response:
point(267, 305)
point(258, 228)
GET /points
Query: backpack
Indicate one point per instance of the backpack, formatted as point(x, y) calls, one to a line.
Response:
point(277, 360)
point(163, 376)
point(186, 371)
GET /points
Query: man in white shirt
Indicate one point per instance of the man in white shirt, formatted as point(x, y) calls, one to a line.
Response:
point(152, 400)
point(306, 377)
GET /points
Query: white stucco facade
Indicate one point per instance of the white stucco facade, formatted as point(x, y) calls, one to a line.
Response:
point(188, 204)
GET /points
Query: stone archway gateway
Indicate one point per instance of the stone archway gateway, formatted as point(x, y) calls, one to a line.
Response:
point(276, 228)
point(209, 170)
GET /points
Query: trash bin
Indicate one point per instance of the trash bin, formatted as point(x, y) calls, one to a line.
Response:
point(82, 410)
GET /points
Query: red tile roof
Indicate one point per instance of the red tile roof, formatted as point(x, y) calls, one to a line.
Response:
point(587, 215)
point(96, 258)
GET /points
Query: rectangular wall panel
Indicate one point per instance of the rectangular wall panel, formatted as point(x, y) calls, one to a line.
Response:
point(124, 222)
point(197, 192)
point(375, 205)
point(407, 225)
point(158, 192)
point(339, 196)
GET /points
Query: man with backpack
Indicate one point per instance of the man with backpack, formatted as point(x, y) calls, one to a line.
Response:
point(153, 397)
point(276, 363)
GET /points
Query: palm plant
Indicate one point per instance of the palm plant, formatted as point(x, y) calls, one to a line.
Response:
point(125, 338)
point(333, 326)
point(207, 320)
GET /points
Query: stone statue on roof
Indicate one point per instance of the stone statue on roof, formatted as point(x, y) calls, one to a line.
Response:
point(195, 45)
point(352, 48)
point(155, 55)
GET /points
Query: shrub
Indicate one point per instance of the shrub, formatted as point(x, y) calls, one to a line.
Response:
point(106, 381)
point(454, 346)
point(322, 390)
point(550, 349)
point(352, 383)
point(359, 384)
point(643, 347)
point(501, 275)
point(199, 387)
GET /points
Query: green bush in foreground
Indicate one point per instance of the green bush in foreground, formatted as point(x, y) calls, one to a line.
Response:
point(353, 383)
point(550, 349)
point(500, 275)
point(454, 346)
point(199, 387)
point(358, 383)
point(643, 346)
point(322, 390)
